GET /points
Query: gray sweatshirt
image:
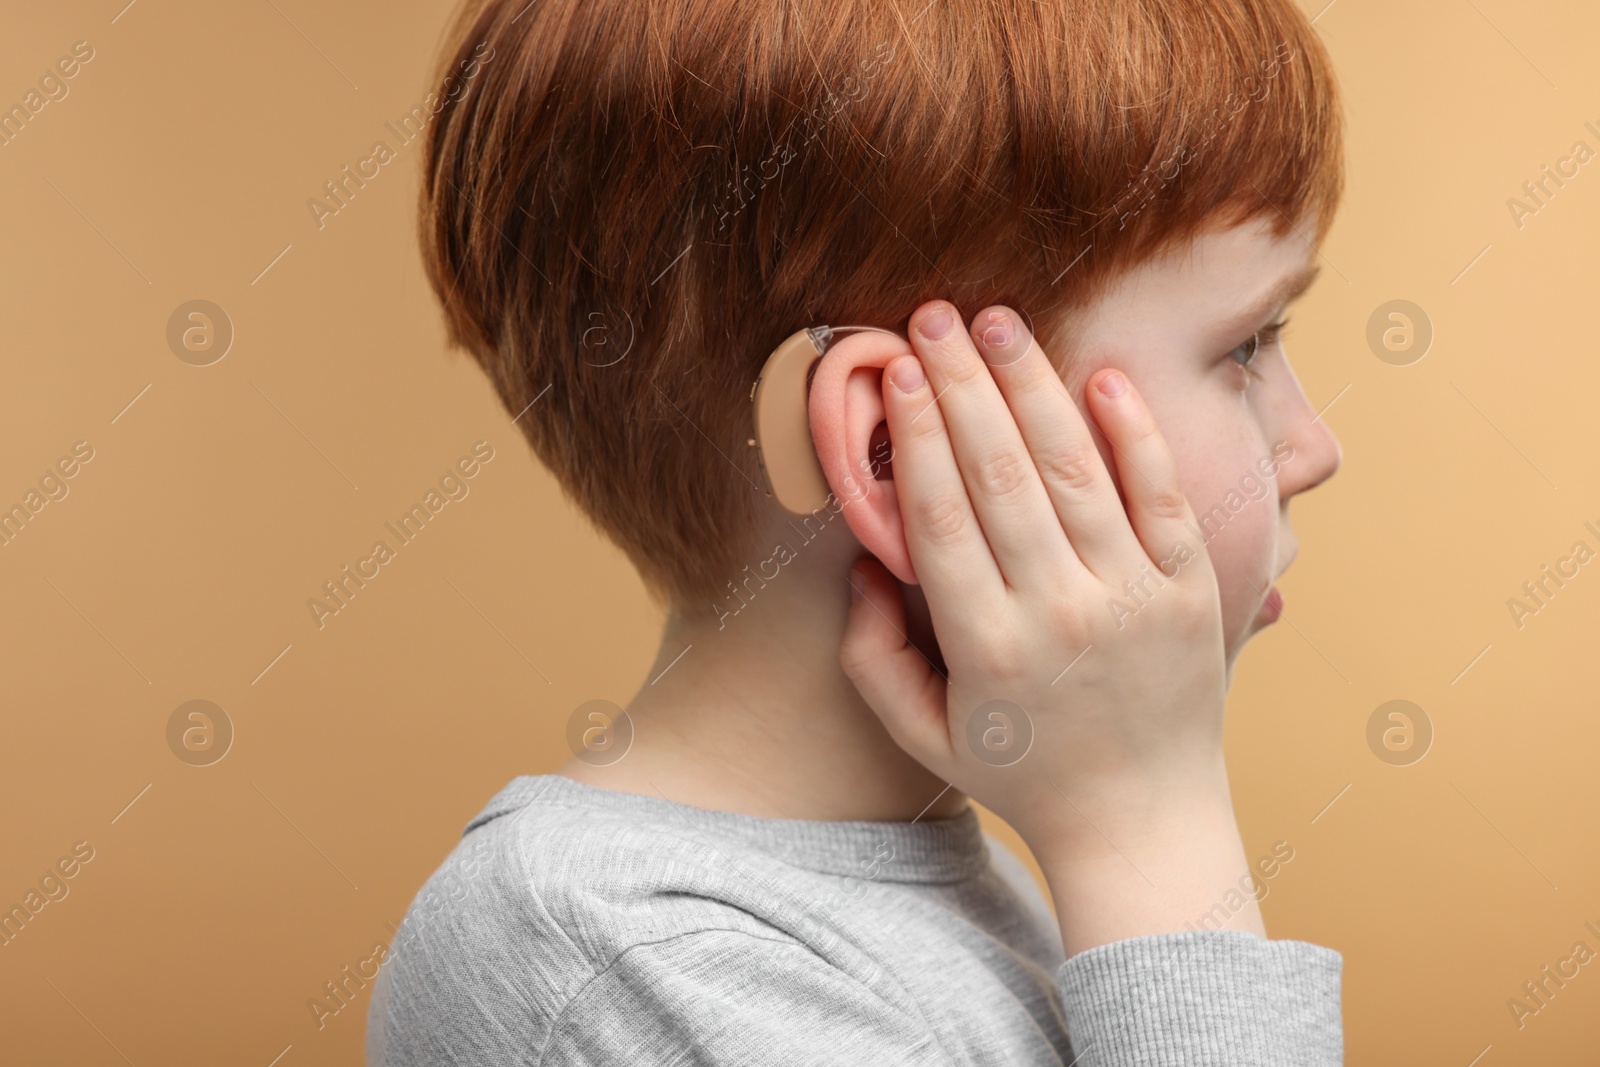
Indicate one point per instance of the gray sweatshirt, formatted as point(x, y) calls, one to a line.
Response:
point(577, 925)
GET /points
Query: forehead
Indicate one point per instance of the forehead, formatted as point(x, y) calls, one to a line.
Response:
point(1219, 272)
point(1201, 286)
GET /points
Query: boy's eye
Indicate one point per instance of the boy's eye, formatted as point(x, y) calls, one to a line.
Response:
point(1262, 338)
point(1247, 351)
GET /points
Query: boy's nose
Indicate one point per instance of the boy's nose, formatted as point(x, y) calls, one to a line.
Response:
point(1316, 450)
point(1322, 455)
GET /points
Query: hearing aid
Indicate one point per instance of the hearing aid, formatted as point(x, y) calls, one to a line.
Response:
point(780, 397)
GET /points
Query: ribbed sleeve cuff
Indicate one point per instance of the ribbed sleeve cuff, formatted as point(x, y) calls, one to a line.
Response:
point(1204, 997)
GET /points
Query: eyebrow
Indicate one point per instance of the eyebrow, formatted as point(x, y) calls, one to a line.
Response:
point(1286, 290)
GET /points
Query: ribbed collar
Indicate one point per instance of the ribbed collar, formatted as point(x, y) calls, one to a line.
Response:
point(928, 850)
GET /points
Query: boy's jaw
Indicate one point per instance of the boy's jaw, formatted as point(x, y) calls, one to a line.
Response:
point(919, 623)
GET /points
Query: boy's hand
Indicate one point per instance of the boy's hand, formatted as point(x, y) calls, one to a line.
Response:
point(1096, 733)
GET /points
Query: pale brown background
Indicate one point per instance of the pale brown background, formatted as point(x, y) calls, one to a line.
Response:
point(179, 566)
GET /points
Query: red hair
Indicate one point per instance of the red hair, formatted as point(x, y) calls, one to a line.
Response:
point(627, 204)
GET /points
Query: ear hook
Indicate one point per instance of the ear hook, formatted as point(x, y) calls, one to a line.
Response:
point(789, 463)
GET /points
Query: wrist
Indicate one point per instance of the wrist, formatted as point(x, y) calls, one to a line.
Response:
point(1084, 820)
point(1169, 870)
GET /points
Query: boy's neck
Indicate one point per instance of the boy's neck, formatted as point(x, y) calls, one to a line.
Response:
point(757, 717)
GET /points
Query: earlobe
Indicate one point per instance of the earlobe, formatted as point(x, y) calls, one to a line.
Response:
point(846, 408)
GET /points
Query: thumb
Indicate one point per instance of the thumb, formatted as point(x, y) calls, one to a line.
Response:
point(891, 674)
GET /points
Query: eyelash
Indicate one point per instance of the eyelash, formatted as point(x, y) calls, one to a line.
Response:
point(1264, 338)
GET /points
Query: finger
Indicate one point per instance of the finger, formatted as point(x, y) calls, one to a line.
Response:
point(1157, 507)
point(1018, 520)
point(953, 562)
point(893, 677)
point(1070, 467)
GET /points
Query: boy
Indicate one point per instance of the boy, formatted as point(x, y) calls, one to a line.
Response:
point(770, 857)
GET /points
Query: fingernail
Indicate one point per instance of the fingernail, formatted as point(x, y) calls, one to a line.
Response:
point(997, 331)
point(996, 335)
point(907, 375)
point(936, 325)
point(1113, 384)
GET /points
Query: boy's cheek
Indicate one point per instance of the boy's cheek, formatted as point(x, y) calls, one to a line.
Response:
point(1242, 556)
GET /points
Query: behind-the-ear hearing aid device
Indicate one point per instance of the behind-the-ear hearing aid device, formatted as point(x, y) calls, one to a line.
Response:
point(781, 398)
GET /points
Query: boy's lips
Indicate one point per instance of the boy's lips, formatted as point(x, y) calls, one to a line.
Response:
point(1272, 606)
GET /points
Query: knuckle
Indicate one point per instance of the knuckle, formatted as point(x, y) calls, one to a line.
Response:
point(1069, 467)
point(998, 654)
point(962, 368)
point(854, 660)
point(1144, 432)
point(1192, 611)
point(1167, 502)
point(1000, 474)
point(1031, 382)
point(926, 425)
point(1069, 625)
point(943, 518)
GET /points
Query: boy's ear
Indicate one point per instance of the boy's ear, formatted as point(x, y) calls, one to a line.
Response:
point(848, 428)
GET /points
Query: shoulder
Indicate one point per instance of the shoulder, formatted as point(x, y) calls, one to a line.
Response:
point(579, 882)
point(541, 900)
point(554, 920)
